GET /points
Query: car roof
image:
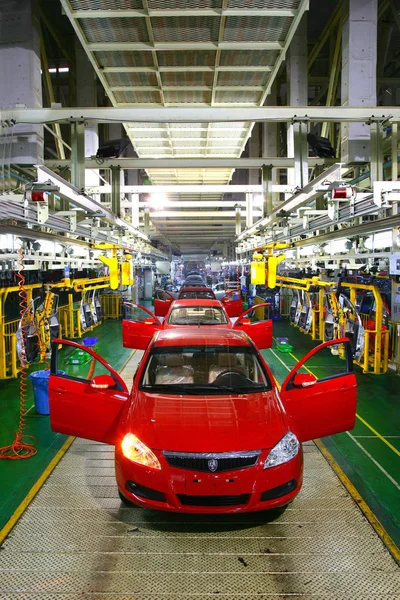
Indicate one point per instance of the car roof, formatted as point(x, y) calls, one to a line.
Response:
point(187, 302)
point(201, 337)
point(197, 288)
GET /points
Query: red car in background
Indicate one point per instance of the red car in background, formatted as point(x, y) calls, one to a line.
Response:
point(205, 428)
point(139, 324)
point(163, 299)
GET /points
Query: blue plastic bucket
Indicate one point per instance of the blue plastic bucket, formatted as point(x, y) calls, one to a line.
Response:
point(40, 381)
point(90, 341)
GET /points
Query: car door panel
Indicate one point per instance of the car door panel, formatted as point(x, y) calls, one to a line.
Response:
point(138, 326)
point(76, 408)
point(259, 331)
point(326, 406)
point(232, 303)
point(163, 304)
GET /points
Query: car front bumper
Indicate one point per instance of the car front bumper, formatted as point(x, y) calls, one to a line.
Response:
point(179, 490)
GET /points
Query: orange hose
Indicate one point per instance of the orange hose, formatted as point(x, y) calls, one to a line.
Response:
point(20, 447)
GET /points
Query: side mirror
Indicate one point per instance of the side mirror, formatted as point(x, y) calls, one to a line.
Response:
point(302, 380)
point(102, 382)
point(245, 322)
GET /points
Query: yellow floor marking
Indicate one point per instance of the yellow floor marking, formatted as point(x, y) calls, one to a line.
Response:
point(373, 520)
point(35, 488)
point(365, 509)
point(378, 435)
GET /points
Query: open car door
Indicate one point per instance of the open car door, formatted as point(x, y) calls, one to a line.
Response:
point(86, 394)
point(138, 326)
point(162, 303)
point(318, 407)
point(259, 331)
point(233, 304)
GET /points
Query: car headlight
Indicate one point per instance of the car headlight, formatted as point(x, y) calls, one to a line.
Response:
point(285, 450)
point(138, 452)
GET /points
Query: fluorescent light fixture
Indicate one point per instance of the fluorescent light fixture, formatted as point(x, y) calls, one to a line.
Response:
point(63, 70)
point(158, 201)
point(52, 70)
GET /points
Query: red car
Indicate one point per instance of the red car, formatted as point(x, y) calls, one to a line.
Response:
point(232, 300)
point(204, 429)
point(139, 324)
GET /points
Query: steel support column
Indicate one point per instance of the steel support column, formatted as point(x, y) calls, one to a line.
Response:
point(297, 73)
point(376, 152)
point(249, 210)
point(267, 190)
point(146, 221)
point(78, 154)
point(238, 220)
point(116, 190)
point(300, 154)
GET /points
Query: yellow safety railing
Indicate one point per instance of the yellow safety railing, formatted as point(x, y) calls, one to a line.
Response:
point(394, 358)
point(111, 305)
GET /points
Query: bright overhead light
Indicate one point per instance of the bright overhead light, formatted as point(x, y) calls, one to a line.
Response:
point(158, 201)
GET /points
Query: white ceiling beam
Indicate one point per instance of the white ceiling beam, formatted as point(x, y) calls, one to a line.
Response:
point(179, 189)
point(203, 69)
point(186, 88)
point(186, 12)
point(191, 163)
point(184, 46)
point(159, 214)
point(189, 114)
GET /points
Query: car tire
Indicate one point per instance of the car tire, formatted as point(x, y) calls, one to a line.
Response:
point(125, 500)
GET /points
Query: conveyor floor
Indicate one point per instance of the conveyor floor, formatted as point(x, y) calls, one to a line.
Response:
point(76, 540)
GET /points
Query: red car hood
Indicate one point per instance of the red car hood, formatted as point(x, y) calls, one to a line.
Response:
point(208, 423)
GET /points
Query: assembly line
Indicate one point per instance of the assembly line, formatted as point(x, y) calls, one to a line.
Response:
point(199, 299)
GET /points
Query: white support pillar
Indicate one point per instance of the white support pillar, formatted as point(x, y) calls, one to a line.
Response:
point(238, 220)
point(297, 80)
point(254, 152)
point(270, 140)
point(135, 209)
point(249, 209)
point(20, 76)
point(359, 53)
point(86, 84)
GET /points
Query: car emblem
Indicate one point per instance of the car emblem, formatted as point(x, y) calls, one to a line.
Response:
point(212, 465)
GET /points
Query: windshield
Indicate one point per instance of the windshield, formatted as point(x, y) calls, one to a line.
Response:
point(204, 370)
point(197, 295)
point(198, 315)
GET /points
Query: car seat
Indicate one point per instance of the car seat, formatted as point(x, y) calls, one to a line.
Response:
point(224, 362)
point(174, 372)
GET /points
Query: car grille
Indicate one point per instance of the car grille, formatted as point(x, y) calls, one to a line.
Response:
point(213, 500)
point(212, 462)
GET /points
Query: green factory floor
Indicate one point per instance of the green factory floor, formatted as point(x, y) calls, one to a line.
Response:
point(19, 476)
point(369, 454)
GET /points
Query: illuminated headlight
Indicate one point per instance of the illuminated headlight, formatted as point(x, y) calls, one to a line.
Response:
point(284, 451)
point(136, 451)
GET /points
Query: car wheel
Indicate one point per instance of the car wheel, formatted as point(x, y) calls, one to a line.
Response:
point(125, 500)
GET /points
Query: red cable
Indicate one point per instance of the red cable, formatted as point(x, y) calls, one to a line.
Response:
point(20, 447)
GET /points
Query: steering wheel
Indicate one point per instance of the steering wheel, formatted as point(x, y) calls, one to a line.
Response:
point(234, 370)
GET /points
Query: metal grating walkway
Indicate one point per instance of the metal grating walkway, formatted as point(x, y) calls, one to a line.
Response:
point(76, 540)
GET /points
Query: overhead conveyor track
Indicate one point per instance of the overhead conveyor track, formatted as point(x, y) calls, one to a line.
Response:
point(77, 540)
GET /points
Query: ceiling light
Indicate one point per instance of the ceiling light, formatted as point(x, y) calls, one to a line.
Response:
point(158, 201)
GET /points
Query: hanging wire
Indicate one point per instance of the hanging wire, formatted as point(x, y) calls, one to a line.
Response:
point(21, 447)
